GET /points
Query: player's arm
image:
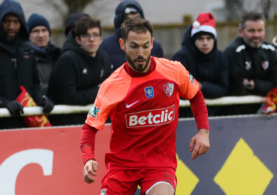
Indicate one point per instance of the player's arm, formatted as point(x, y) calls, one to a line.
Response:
point(200, 143)
point(87, 145)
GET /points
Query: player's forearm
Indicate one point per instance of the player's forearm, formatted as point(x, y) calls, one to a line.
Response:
point(87, 142)
point(199, 110)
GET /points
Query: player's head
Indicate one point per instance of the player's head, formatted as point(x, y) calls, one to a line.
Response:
point(88, 35)
point(252, 29)
point(137, 41)
point(203, 32)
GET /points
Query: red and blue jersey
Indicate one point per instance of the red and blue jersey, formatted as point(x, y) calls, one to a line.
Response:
point(144, 114)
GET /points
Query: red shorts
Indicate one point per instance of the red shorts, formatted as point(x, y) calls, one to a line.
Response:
point(125, 182)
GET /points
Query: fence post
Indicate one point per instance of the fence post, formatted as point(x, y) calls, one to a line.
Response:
point(187, 20)
point(275, 24)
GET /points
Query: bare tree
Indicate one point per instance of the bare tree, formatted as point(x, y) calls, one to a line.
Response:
point(234, 9)
point(266, 5)
point(72, 6)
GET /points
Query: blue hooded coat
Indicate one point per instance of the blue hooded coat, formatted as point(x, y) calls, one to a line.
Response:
point(111, 45)
point(211, 69)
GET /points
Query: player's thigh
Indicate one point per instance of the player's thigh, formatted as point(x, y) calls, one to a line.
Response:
point(119, 182)
point(162, 189)
point(158, 181)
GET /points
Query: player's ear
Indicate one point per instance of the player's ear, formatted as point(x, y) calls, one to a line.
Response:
point(240, 31)
point(78, 40)
point(122, 44)
point(152, 42)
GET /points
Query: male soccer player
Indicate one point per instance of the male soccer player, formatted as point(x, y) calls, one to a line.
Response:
point(142, 99)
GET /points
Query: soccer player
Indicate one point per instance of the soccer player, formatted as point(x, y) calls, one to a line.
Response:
point(142, 99)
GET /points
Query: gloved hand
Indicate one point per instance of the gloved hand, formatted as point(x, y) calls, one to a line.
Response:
point(48, 105)
point(15, 108)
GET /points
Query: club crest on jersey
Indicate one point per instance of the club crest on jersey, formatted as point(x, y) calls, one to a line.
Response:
point(149, 92)
point(191, 78)
point(265, 65)
point(93, 111)
point(168, 89)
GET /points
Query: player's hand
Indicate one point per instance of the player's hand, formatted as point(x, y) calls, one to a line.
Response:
point(89, 171)
point(200, 143)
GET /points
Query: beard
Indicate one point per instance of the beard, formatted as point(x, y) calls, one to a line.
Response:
point(252, 44)
point(11, 38)
point(139, 67)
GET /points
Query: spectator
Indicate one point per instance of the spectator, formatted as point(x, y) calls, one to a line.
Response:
point(18, 65)
point(71, 21)
point(81, 68)
point(126, 9)
point(46, 52)
point(252, 61)
point(200, 56)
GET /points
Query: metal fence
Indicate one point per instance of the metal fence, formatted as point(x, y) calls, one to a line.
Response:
point(65, 109)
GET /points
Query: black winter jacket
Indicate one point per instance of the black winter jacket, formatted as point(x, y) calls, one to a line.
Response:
point(18, 64)
point(111, 45)
point(210, 69)
point(76, 75)
point(258, 64)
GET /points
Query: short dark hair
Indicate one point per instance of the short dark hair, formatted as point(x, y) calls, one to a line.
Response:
point(252, 16)
point(84, 24)
point(139, 25)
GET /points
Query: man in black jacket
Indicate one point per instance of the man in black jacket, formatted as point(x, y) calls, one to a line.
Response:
point(126, 9)
point(81, 69)
point(200, 56)
point(18, 65)
point(46, 52)
point(253, 62)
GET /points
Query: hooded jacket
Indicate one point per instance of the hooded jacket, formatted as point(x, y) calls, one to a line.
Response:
point(111, 45)
point(76, 75)
point(18, 65)
point(211, 69)
point(258, 64)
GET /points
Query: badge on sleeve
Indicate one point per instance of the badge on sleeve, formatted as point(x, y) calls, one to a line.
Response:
point(191, 78)
point(168, 89)
point(265, 65)
point(93, 111)
point(149, 92)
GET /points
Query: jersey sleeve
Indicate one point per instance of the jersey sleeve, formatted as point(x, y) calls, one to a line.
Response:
point(111, 92)
point(188, 86)
point(100, 110)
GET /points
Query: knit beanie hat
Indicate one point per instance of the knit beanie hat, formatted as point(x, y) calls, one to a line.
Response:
point(38, 20)
point(205, 22)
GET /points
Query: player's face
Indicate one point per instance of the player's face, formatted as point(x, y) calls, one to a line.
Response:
point(253, 33)
point(90, 41)
point(11, 26)
point(205, 43)
point(138, 49)
point(39, 36)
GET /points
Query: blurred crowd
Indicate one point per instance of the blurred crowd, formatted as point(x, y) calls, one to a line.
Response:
point(73, 74)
